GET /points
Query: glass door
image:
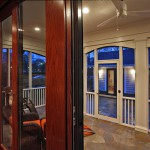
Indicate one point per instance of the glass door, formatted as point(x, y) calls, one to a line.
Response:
point(6, 89)
point(108, 90)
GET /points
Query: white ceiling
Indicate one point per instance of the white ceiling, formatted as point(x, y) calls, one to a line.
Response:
point(101, 10)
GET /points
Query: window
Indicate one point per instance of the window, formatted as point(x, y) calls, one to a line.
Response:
point(90, 72)
point(106, 53)
point(37, 67)
point(128, 72)
point(38, 70)
point(4, 67)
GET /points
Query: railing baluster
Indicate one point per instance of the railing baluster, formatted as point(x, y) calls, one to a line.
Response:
point(128, 112)
point(88, 103)
point(125, 111)
point(91, 104)
point(132, 112)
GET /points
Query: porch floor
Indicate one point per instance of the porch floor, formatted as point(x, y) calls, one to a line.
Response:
point(111, 136)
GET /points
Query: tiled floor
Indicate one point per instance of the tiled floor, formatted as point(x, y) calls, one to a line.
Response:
point(110, 136)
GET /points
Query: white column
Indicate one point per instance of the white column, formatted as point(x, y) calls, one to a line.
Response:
point(84, 80)
point(141, 92)
point(30, 70)
point(9, 67)
point(120, 85)
point(96, 88)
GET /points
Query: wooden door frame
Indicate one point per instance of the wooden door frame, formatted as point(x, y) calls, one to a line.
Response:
point(66, 61)
point(9, 8)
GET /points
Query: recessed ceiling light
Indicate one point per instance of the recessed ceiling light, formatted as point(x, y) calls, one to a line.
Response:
point(37, 29)
point(85, 10)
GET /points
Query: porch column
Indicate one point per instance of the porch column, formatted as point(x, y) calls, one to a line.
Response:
point(141, 94)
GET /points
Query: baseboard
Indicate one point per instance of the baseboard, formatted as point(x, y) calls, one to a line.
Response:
point(141, 129)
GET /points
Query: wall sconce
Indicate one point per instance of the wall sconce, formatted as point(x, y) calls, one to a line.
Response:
point(132, 71)
point(101, 71)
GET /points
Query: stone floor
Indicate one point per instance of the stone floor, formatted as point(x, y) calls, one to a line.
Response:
point(110, 136)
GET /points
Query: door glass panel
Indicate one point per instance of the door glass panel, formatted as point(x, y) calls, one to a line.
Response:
point(33, 131)
point(107, 75)
point(6, 83)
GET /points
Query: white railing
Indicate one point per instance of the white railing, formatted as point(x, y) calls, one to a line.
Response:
point(37, 95)
point(90, 103)
point(129, 111)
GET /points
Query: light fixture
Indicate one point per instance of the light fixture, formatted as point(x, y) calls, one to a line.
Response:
point(21, 30)
point(101, 71)
point(79, 13)
point(85, 10)
point(132, 71)
point(37, 29)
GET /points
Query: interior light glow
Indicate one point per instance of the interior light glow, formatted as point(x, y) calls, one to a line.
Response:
point(21, 30)
point(101, 71)
point(79, 13)
point(37, 29)
point(132, 71)
point(85, 10)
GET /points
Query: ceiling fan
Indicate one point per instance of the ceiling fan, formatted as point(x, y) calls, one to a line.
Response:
point(121, 12)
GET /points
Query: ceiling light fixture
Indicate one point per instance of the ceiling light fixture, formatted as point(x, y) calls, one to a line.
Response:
point(85, 10)
point(37, 29)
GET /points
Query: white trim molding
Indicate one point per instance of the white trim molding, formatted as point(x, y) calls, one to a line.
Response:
point(141, 129)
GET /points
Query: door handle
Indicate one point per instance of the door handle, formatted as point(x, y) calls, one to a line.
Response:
point(119, 91)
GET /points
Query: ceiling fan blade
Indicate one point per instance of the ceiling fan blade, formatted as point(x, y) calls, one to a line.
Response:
point(105, 22)
point(139, 11)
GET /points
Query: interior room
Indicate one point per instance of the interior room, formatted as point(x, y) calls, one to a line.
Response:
point(116, 74)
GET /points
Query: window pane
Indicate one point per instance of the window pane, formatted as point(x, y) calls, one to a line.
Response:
point(25, 69)
point(4, 67)
point(38, 70)
point(128, 72)
point(90, 72)
point(33, 69)
point(6, 109)
point(108, 53)
point(38, 63)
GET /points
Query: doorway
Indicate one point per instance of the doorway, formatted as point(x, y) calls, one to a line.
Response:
point(108, 86)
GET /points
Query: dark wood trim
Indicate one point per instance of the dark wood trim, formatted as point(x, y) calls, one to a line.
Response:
point(1, 83)
point(15, 84)
point(69, 78)
point(77, 59)
point(56, 103)
point(3, 147)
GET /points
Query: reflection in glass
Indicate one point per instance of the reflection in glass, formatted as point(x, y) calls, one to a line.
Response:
point(25, 69)
point(38, 70)
point(33, 135)
point(107, 90)
point(6, 82)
